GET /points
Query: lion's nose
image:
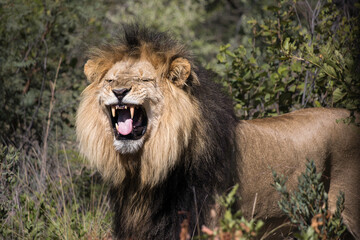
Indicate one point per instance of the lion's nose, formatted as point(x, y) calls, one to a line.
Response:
point(120, 93)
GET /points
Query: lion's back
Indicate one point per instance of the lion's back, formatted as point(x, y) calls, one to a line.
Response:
point(286, 142)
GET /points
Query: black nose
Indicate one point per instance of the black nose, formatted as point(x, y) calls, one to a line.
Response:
point(120, 93)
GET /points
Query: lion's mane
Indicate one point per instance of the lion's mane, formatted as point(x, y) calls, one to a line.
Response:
point(189, 159)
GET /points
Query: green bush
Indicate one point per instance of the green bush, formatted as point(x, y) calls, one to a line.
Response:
point(72, 206)
point(43, 195)
point(40, 40)
point(233, 224)
point(290, 64)
point(9, 159)
point(307, 206)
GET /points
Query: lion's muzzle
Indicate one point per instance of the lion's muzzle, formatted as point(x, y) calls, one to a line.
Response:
point(120, 93)
point(129, 121)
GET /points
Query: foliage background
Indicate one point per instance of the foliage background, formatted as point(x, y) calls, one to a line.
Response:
point(272, 57)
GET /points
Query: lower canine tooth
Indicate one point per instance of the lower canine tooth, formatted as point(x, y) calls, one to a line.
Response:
point(113, 111)
point(116, 126)
point(132, 112)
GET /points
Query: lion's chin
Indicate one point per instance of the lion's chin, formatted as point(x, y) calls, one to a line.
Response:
point(128, 146)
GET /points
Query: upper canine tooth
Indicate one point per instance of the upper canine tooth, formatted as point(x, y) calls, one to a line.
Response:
point(132, 109)
point(125, 107)
point(113, 111)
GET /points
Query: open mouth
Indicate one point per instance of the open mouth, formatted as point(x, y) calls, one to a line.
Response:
point(129, 122)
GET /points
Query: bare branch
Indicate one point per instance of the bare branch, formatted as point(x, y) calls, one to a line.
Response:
point(305, 86)
point(44, 150)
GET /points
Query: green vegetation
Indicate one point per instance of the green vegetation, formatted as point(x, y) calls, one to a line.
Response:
point(233, 225)
point(72, 206)
point(282, 55)
point(46, 193)
point(290, 63)
point(307, 207)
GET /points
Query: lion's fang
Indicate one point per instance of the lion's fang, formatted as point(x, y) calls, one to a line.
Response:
point(132, 109)
point(113, 111)
point(116, 126)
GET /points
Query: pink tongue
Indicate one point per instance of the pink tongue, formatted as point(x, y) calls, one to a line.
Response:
point(124, 128)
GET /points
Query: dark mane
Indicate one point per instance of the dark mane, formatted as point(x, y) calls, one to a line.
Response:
point(190, 178)
point(135, 36)
point(137, 41)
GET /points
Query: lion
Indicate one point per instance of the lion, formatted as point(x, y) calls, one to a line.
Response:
point(166, 138)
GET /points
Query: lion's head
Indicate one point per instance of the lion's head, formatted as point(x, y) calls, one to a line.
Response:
point(137, 115)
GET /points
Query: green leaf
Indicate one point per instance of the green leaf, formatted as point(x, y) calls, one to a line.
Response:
point(329, 70)
point(286, 44)
point(229, 53)
point(338, 95)
point(224, 47)
point(221, 58)
point(252, 22)
point(267, 97)
point(252, 60)
point(292, 88)
point(274, 77)
point(282, 70)
point(296, 66)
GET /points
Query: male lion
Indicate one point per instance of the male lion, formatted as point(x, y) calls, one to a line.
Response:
point(166, 138)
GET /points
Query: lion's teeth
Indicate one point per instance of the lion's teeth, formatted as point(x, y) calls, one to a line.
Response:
point(132, 109)
point(125, 107)
point(113, 111)
point(116, 126)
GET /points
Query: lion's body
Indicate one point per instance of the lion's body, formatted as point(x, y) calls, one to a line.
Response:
point(284, 144)
point(185, 146)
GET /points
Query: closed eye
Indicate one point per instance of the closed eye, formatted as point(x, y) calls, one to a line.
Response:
point(109, 80)
point(148, 79)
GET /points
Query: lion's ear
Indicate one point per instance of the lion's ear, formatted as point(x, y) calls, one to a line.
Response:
point(95, 69)
point(180, 70)
point(90, 70)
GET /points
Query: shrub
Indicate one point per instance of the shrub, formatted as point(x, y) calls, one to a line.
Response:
point(9, 158)
point(68, 208)
point(39, 40)
point(233, 225)
point(307, 206)
point(290, 64)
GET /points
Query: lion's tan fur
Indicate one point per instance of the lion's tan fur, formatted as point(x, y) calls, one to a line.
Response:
point(95, 137)
point(285, 143)
point(281, 143)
